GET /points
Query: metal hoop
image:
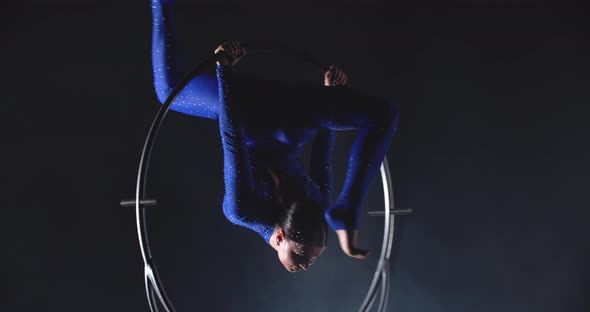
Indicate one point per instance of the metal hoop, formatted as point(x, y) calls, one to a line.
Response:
point(154, 289)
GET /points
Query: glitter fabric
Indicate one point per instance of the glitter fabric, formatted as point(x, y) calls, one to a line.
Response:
point(199, 97)
point(266, 123)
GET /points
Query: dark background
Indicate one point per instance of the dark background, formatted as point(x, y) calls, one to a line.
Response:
point(491, 155)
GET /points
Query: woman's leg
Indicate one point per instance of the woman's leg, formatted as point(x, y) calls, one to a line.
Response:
point(200, 96)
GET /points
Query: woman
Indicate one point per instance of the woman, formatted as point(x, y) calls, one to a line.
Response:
point(264, 125)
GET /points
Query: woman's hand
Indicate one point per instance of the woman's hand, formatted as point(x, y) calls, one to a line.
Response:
point(348, 242)
point(342, 216)
point(334, 76)
point(230, 53)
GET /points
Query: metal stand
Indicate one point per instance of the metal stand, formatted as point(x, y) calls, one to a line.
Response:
point(382, 271)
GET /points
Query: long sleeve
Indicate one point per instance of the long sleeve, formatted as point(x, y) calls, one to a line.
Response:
point(366, 155)
point(376, 122)
point(322, 153)
point(199, 97)
point(240, 204)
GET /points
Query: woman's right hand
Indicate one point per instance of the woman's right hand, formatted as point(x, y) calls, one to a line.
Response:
point(340, 214)
point(229, 53)
point(348, 240)
point(335, 76)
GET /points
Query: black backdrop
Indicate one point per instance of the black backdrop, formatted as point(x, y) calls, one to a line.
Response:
point(491, 156)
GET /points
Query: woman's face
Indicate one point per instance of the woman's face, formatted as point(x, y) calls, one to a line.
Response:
point(295, 256)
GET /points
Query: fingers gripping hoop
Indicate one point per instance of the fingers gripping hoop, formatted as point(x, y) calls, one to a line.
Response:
point(154, 289)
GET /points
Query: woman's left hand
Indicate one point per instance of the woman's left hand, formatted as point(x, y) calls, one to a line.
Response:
point(348, 242)
point(335, 76)
point(230, 53)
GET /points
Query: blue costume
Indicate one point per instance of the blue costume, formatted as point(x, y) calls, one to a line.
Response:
point(264, 124)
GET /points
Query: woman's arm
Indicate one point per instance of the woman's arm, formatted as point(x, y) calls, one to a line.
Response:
point(322, 150)
point(199, 97)
point(238, 178)
point(240, 205)
point(376, 121)
point(322, 153)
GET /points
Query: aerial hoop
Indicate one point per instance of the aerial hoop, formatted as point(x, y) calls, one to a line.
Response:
point(154, 289)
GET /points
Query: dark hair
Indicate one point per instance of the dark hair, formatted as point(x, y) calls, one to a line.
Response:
point(301, 218)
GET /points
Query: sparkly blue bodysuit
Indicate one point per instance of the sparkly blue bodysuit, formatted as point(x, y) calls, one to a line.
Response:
point(264, 124)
